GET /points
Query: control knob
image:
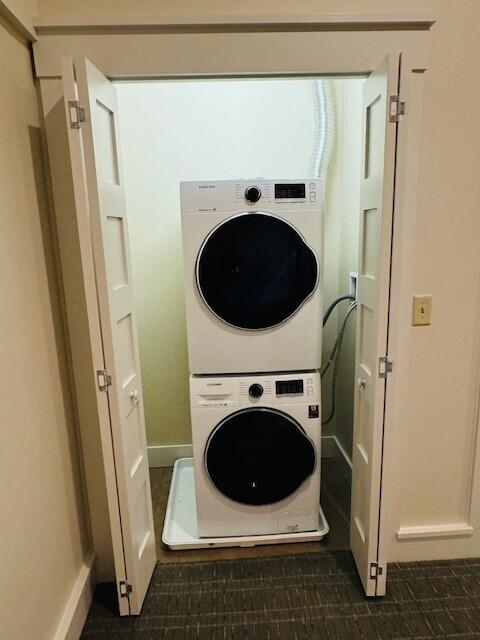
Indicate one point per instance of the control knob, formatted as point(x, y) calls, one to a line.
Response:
point(255, 390)
point(252, 194)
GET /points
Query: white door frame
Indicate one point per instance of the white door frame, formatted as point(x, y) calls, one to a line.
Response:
point(130, 58)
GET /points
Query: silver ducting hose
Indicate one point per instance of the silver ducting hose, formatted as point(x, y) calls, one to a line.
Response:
point(324, 139)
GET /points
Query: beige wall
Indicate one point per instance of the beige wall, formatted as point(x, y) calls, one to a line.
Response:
point(232, 131)
point(331, 230)
point(43, 536)
point(436, 368)
point(341, 254)
point(350, 124)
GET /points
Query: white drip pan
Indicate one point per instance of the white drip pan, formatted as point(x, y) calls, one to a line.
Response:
point(180, 529)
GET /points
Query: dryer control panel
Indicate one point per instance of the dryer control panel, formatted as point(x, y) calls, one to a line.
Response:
point(263, 390)
point(240, 195)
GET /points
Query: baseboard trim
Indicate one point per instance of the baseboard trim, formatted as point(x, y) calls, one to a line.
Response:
point(343, 460)
point(332, 448)
point(329, 447)
point(165, 455)
point(78, 604)
point(435, 531)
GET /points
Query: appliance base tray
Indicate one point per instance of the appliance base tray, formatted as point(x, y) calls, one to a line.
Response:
point(180, 530)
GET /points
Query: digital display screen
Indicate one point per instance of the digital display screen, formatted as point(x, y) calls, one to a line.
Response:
point(284, 387)
point(290, 191)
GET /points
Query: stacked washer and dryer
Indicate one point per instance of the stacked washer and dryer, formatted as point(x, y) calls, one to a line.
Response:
point(252, 270)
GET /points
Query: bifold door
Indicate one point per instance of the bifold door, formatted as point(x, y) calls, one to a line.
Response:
point(92, 122)
point(371, 370)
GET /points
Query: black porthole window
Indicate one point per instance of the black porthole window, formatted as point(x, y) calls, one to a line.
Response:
point(255, 270)
point(259, 456)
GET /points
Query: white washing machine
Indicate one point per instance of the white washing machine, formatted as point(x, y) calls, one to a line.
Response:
point(252, 270)
point(256, 448)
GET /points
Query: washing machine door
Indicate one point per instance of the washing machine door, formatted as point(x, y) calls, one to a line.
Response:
point(258, 456)
point(255, 270)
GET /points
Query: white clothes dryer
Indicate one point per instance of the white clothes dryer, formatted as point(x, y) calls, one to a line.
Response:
point(252, 271)
point(256, 449)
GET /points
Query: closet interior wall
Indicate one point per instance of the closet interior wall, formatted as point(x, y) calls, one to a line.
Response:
point(208, 129)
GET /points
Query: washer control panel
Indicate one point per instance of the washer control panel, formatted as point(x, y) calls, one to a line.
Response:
point(241, 195)
point(250, 390)
point(285, 192)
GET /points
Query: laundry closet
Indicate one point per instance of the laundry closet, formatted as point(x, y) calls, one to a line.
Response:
point(152, 163)
point(286, 147)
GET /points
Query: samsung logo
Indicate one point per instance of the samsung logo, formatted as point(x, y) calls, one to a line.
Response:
point(206, 186)
point(214, 384)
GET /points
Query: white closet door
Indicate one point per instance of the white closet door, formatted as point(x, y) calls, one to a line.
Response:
point(377, 192)
point(97, 168)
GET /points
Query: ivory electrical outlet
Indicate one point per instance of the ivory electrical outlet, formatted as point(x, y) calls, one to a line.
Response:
point(422, 310)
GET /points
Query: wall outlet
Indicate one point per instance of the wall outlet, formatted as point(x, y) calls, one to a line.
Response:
point(353, 283)
point(422, 310)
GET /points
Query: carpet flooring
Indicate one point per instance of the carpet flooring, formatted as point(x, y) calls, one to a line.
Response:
point(296, 597)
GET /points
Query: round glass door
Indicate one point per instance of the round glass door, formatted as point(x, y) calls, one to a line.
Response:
point(255, 270)
point(259, 456)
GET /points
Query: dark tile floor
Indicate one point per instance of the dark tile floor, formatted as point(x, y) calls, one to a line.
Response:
point(335, 499)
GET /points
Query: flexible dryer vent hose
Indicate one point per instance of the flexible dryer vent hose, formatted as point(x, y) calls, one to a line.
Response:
point(324, 137)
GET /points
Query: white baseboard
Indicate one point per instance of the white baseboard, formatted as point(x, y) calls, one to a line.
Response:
point(332, 448)
point(435, 531)
point(343, 459)
point(328, 447)
point(78, 604)
point(165, 455)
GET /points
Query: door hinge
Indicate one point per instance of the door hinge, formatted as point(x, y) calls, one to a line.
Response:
point(396, 108)
point(125, 588)
point(385, 366)
point(76, 113)
point(103, 380)
point(376, 570)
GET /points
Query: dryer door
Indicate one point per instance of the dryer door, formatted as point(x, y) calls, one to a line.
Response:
point(255, 270)
point(259, 456)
